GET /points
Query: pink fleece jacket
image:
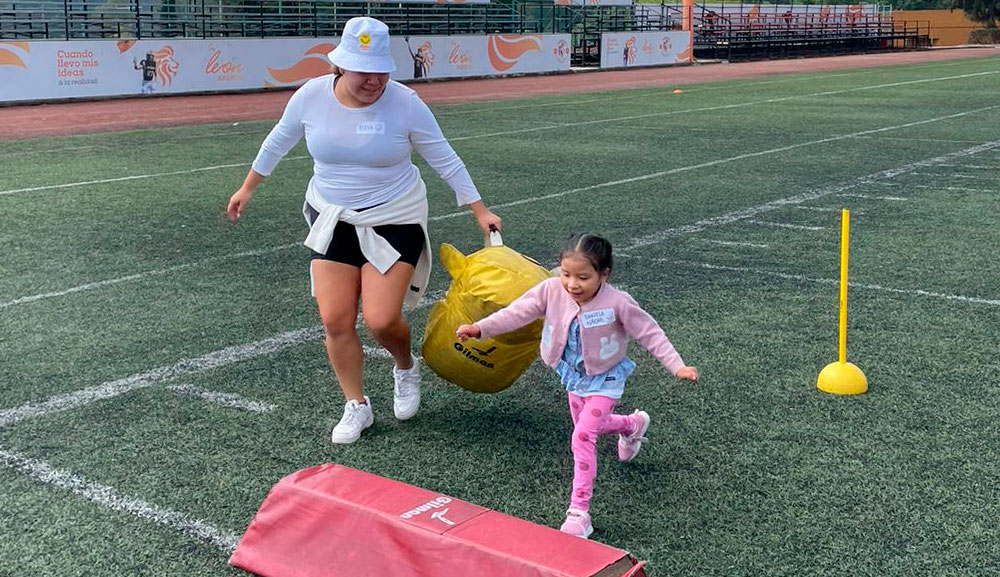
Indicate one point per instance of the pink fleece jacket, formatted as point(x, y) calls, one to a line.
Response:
point(605, 322)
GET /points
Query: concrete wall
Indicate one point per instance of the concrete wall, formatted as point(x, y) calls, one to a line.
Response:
point(948, 28)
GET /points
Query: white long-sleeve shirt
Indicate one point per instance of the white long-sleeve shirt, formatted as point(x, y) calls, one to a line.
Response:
point(361, 156)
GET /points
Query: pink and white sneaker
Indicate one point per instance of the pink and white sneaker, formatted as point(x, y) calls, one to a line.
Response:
point(577, 523)
point(629, 445)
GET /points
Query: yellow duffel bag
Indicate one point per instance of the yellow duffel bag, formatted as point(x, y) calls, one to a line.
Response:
point(482, 283)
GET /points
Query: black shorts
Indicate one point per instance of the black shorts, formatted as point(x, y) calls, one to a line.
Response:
point(407, 239)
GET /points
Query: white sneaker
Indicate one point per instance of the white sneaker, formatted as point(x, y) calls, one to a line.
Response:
point(406, 392)
point(577, 523)
point(357, 417)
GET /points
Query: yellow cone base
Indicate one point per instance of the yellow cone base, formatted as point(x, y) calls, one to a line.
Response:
point(842, 379)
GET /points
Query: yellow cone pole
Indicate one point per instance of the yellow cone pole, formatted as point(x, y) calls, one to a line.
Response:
point(842, 377)
point(845, 240)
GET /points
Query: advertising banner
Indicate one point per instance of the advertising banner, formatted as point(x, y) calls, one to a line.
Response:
point(495, 55)
point(94, 68)
point(625, 49)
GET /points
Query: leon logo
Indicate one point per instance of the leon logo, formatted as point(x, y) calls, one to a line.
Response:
point(224, 70)
point(459, 59)
point(313, 63)
point(505, 50)
point(10, 53)
point(365, 40)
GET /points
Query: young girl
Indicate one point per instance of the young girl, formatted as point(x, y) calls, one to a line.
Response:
point(584, 338)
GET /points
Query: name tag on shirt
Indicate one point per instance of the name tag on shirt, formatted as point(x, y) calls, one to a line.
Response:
point(371, 128)
point(598, 318)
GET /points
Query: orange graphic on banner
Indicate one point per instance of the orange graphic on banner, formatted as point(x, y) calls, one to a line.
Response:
point(9, 58)
point(166, 65)
point(506, 49)
point(124, 45)
point(313, 64)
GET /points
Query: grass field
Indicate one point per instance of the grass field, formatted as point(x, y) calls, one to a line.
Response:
point(161, 369)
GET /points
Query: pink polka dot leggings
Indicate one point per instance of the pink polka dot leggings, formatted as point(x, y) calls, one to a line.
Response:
point(592, 416)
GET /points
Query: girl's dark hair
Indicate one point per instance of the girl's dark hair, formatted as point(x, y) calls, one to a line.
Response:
point(595, 249)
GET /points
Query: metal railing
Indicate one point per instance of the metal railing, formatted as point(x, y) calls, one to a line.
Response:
point(800, 36)
point(83, 19)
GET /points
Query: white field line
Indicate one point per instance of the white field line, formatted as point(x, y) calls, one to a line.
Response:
point(213, 360)
point(280, 342)
point(107, 496)
point(872, 197)
point(974, 166)
point(110, 389)
point(646, 93)
point(233, 354)
point(826, 281)
point(533, 199)
point(112, 499)
point(572, 124)
point(944, 140)
point(660, 174)
point(838, 188)
point(785, 225)
point(954, 188)
point(725, 107)
point(105, 145)
point(953, 175)
point(143, 275)
point(650, 92)
point(230, 400)
point(134, 177)
point(825, 209)
point(216, 359)
point(731, 243)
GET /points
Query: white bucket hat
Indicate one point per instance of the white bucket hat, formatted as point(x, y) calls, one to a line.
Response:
point(364, 47)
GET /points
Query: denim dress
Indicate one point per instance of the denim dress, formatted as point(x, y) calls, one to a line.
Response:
point(575, 378)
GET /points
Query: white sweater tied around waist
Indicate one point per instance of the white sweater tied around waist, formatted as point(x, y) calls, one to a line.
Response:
point(408, 208)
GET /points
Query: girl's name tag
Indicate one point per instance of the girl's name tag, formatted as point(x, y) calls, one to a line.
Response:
point(371, 128)
point(598, 318)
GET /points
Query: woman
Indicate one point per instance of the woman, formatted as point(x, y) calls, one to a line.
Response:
point(366, 205)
